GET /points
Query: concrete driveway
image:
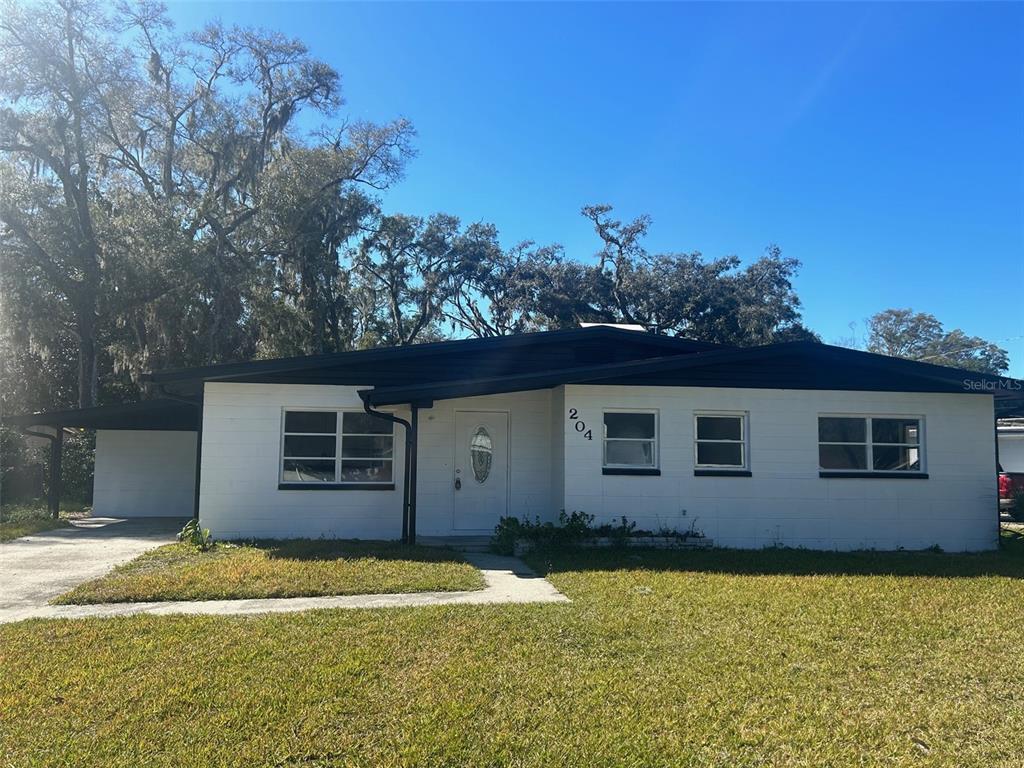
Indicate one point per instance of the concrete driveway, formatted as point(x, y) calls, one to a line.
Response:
point(35, 568)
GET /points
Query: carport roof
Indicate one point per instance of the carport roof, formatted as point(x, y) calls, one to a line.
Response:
point(161, 414)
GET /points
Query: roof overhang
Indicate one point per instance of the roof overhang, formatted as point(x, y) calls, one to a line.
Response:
point(887, 374)
point(791, 365)
point(161, 415)
point(447, 390)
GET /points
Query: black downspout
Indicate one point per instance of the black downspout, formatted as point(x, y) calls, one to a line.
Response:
point(199, 440)
point(56, 456)
point(409, 474)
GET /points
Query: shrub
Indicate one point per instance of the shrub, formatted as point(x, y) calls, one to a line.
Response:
point(25, 471)
point(506, 534)
point(575, 528)
point(693, 532)
point(195, 535)
point(570, 529)
point(77, 466)
point(620, 532)
point(20, 513)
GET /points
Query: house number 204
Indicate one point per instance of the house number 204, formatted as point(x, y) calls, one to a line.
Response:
point(580, 425)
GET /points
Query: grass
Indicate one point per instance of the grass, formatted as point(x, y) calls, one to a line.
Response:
point(293, 568)
point(739, 659)
point(17, 520)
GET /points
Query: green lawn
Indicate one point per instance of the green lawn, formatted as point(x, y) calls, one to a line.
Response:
point(772, 658)
point(17, 529)
point(19, 520)
point(292, 568)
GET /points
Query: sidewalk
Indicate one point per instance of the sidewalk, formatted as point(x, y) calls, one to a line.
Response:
point(508, 579)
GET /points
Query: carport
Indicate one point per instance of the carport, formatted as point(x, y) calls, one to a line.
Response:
point(146, 460)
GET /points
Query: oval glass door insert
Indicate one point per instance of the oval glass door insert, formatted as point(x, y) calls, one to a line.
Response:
point(481, 452)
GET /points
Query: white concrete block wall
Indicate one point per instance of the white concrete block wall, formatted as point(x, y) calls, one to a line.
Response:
point(144, 473)
point(239, 497)
point(553, 467)
point(557, 450)
point(530, 459)
point(785, 502)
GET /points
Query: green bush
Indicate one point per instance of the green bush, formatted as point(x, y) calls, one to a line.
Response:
point(506, 534)
point(620, 532)
point(76, 465)
point(196, 535)
point(576, 529)
point(570, 529)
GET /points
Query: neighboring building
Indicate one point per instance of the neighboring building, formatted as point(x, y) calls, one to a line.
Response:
point(1011, 448)
point(795, 444)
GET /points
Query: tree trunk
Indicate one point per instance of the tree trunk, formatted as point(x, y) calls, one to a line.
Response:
point(312, 301)
point(86, 360)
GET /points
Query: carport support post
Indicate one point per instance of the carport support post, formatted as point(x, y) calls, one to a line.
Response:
point(411, 459)
point(56, 455)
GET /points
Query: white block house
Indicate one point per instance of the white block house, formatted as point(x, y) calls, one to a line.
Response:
point(797, 444)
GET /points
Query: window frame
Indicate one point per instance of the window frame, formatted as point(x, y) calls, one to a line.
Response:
point(743, 442)
point(339, 436)
point(633, 469)
point(869, 445)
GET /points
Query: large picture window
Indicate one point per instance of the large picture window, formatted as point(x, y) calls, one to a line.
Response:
point(720, 440)
point(338, 447)
point(870, 444)
point(631, 439)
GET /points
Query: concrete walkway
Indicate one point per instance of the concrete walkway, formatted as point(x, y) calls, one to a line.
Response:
point(508, 580)
point(35, 568)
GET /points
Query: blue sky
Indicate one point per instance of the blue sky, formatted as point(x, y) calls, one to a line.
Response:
point(882, 145)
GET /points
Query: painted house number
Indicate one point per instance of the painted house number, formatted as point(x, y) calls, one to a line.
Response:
point(580, 425)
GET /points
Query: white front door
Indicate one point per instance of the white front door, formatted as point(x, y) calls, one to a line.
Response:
point(481, 470)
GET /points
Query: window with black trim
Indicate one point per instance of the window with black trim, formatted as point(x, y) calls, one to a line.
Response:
point(870, 444)
point(339, 447)
point(630, 439)
point(720, 441)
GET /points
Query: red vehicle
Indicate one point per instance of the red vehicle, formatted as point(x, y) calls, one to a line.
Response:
point(1007, 487)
